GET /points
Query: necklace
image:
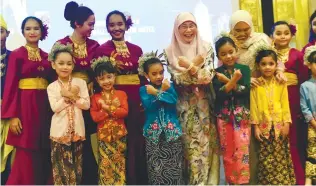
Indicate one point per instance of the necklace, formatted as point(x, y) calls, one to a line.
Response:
point(80, 48)
point(121, 48)
point(283, 55)
point(33, 53)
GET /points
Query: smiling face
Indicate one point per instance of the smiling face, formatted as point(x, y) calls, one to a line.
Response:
point(106, 81)
point(32, 31)
point(87, 27)
point(187, 31)
point(116, 27)
point(63, 65)
point(241, 31)
point(282, 36)
point(227, 54)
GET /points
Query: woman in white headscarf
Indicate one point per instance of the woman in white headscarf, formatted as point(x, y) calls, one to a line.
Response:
point(247, 41)
point(191, 65)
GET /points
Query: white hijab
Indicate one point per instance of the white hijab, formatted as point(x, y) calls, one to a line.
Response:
point(179, 48)
point(255, 39)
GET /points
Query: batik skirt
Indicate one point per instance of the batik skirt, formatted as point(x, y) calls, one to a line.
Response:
point(310, 169)
point(275, 162)
point(112, 162)
point(67, 163)
point(165, 162)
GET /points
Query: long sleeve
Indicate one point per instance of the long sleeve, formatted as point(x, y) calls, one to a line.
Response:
point(244, 87)
point(170, 96)
point(254, 115)
point(122, 110)
point(148, 101)
point(219, 88)
point(84, 101)
point(57, 102)
point(286, 114)
point(304, 106)
point(97, 114)
point(11, 101)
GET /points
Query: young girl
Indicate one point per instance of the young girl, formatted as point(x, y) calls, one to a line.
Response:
point(162, 129)
point(308, 106)
point(109, 108)
point(296, 73)
point(67, 97)
point(270, 115)
point(232, 87)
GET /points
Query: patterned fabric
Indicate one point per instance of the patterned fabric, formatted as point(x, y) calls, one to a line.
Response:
point(236, 101)
point(112, 162)
point(67, 163)
point(275, 164)
point(311, 154)
point(200, 135)
point(234, 139)
point(161, 114)
point(165, 162)
point(269, 104)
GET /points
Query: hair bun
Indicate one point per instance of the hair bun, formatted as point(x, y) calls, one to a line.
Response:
point(70, 10)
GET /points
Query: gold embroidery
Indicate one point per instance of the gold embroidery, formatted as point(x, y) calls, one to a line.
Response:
point(283, 55)
point(33, 53)
point(121, 48)
point(40, 68)
point(83, 63)
point(80, 49)
point(2, 66)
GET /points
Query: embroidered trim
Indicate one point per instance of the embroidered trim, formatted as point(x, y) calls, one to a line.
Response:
point(33, 53)
point(121, 48)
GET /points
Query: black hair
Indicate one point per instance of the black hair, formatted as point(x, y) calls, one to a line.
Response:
point(100, 70)
point(61, 51)
point(266, 53)
point(222, 41)
point(76, 14)
point(38, 21)
point(104, 67)
point(312, 35)
point(312, 57)
point(281, 23)
point(150, 62)
point(107, 20)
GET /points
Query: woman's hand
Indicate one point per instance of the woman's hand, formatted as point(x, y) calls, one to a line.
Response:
point(15, 126)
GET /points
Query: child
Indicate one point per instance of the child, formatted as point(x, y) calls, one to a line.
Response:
point(270, 115)
point(296, 73)
point(67, 97)
point(109, 107)
point(308, 106)
point(232, 87)
point(162, 129)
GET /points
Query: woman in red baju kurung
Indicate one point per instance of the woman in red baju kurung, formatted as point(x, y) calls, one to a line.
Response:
point(128, 81)
point(82, 20)
point(25, 103)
